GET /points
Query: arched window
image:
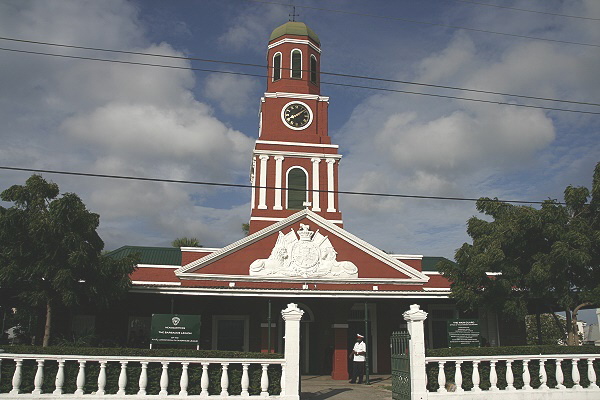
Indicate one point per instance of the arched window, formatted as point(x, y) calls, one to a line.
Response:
point(277, 66)
point(296, 64)
point(297, 183)
point(313, 69)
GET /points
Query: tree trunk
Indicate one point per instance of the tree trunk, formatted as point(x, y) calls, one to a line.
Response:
point(48, 326)
point(572, 339)
point(539, 327)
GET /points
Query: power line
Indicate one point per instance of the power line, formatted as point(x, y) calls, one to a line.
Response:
point(322, 72)
point(325, 83)
point(529, 11)
point(414, 21)
point(239, 185)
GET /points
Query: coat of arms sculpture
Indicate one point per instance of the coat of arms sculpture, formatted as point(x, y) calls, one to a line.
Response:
point(308, 255)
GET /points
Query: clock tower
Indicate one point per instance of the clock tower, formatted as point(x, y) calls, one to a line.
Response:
point(294, 164)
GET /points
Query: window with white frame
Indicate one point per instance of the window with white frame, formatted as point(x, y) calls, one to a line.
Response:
point(296, 64)
point(296, 184)
point(277, 67)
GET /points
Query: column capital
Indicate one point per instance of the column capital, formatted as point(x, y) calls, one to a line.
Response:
point(330, 160)
point(292, 313)
point(415, 314)
point(263, 157)
point(315, 160)
point(278, 158)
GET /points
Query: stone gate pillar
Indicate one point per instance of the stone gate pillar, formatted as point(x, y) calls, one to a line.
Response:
point(292, 316)
point(418, 377)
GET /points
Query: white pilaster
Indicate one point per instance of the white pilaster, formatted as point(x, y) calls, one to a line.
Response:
point(330, 185)
point(418, 378)
point(253, 184)
point(278, 178)
point(292, 316)
point(316, 207)
point(262, 192)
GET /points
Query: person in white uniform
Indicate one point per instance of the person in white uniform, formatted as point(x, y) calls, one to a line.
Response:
point(358, 355)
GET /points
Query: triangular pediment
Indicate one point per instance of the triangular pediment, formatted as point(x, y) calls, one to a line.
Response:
point(303, 247)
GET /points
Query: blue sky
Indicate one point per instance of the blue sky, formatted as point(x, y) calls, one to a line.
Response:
point(86, 116)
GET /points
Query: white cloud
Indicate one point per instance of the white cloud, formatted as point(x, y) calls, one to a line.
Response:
point(235, 94)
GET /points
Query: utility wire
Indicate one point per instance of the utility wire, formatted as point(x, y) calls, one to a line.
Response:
point(322, 72)
point(239, 185)
point(529, 11)
point(325, 83)
point(414, 21)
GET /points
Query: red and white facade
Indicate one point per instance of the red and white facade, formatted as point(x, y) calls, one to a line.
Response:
point(344, 284)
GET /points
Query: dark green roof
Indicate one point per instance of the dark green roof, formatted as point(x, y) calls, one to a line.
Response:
point(150, 255)
point(295, 28)
point(430, 263)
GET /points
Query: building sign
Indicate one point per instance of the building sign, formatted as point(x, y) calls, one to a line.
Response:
point(463, 333)
point(170, 328)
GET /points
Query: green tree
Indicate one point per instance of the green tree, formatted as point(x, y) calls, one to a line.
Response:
point(50, 253)
point(186, 242)
point(546, 256)
point(246, 229)
point(551, 332)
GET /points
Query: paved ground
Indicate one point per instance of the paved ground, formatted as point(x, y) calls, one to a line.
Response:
point(323, 387)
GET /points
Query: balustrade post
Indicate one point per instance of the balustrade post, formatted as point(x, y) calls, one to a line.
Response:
point(591, 374)
point(526, 376)
point(80, 378)
point(441, 377)
point(143, 382)
point(575, 374)
point(224, 379)
point(60, 378)
point(493, 376)
point(184, 381)
point(292, 316)
point(282, 383)
point(543, 375)
point(510, 378)
point(101, 379)
point(16, 380)
point(559, 375)
point(264, 381)
point(476, 377)
point(458, 378)
point(204, 380)
point(245, 380)
point(39, 378)
point(122, 378)
point(164, 379)
point(415, 318)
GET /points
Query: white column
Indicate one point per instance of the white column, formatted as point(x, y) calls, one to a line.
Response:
point(143, 381)
point(330, 185)
point(204, 382)
point(526, 375)
point(264, 381)
point(184, 380)
point(245, 380)
point(253, 184)
point(16, 380)
point(292, 316)
point(80, 378)
point(60, 378)
point(316, 206)
point(278, 180)
point(122, 378)
point(39, 378)
point(262, 191)
point(101, 379)
point(476, 377)
point(418, 378)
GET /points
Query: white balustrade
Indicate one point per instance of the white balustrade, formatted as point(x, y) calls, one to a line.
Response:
point(264, 381)
point(441, 377)
point(510, 378)
point(80, 378)
point(143, 381)
point(526, 374)
point(224, 379)
point(105, 362)
point(122, 378)
point(458, 378)
point(184, 381)
point(39, 377)
point(575, 373)
point(476, 377)
point(101, 379)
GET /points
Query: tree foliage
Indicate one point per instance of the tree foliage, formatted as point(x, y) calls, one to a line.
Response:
point(186, 242)
point(50, 252)
point(546, 256)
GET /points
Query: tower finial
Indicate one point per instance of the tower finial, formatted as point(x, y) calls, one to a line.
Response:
point(293, 15)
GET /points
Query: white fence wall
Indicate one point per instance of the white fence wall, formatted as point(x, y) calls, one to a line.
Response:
point(568, 370)
point(289, 371)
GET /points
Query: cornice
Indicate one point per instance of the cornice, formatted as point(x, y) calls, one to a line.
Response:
point(294, 41)
point(297, 154)
point(288, 95)
point(328, 146)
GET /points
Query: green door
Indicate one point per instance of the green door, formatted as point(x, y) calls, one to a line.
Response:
point(400, 365)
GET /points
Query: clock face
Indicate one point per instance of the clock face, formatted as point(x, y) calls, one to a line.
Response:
point(297, 115)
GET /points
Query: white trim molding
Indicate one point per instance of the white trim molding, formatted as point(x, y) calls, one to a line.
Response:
point(331, 146)
point(303, 96)
point(295, 41)
point(297, 154)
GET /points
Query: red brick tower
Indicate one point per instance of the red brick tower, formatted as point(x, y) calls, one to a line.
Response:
point(293, 156)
